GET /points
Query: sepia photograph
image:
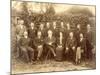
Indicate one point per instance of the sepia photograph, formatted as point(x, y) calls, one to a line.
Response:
point(52, 37)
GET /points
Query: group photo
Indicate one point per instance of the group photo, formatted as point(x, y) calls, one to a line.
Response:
point(52, 37)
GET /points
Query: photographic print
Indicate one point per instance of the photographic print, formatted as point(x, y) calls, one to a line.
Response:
point(52, 37)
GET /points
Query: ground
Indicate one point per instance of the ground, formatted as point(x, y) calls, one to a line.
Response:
point(18, 66)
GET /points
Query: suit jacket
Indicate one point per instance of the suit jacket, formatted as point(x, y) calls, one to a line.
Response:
point(38, 41)
point(20, 30)
point(24, 42)
point(32, 33)
point(55, 32)
point(52, 41)
point(82, 43)
point(71, 42)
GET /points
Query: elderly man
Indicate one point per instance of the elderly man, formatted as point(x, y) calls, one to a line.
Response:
point(50, 42)
point(39, 42)
point(71, 46)
point(26, 50)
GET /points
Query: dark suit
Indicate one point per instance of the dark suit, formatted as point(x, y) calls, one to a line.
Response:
point(89, 45)
point(39, 42)
point(26, 50)
point(70, 43)
point(32, 35)
point(81, 49)
point(50, 44)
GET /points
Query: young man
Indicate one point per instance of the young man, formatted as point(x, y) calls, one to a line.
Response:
point(26, 50)
point(50, 42)
point(71, 46)
point(39, 42)
point(81, 49)
point(60, 42)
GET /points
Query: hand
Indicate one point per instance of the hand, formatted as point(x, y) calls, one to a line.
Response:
point(59, 46)
point(66, 50)
point(40, 46)
point(73, 48)
point(50, 43)
point(82, 50)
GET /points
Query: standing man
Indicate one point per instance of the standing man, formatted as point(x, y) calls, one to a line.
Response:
point(39, 42)
point(62, 28)
point(68, 30)
point(42, 29)
point(89, 41)
point(32, 34)
point(54, 29)
point(78, 31)
point(71, 46)
point(26, 50)
point(47, 28)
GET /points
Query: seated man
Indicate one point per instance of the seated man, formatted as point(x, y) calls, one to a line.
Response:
point(39, 44)
point(71, 46)
point(50, 42)
point(60, 46)
point(81, 48)
point(26, 50)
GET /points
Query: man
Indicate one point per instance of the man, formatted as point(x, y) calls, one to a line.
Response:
point(39, 42)
point(26, 50)
point(42, 29)
point(50, 42)
point(81, 48)
point(60, 46)
point(71, 46)
point(89, 41)
point(68, 30)
point(78, 31)
point(47, 28)
point(20, 29)
point(62, 28)
point(54, 29)
point(32, 34)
